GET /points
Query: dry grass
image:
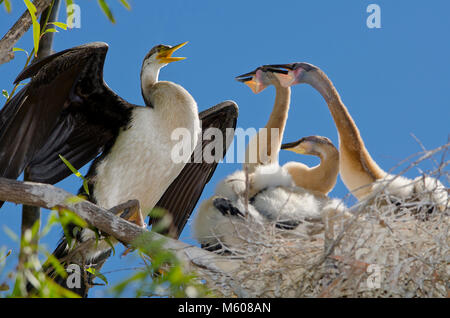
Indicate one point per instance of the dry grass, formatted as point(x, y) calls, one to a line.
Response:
point(388, 247)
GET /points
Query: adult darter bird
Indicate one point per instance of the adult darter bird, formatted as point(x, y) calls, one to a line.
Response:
point(67, 109)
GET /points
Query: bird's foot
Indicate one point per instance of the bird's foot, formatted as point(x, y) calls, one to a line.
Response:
point(130, 211)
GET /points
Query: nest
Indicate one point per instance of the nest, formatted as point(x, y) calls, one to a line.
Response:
point(384, 247)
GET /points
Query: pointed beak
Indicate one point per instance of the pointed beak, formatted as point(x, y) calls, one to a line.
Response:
point(165, 55)
point(294, 146)
point(253, 79)
point(244, 77)
point(265, 68)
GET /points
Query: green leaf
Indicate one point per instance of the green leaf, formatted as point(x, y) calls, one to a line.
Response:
point(35, 228)
point(96, 273)
point(108, 241)
point(36, 36)
point(125, 4)
point(59, 269)
point(75, 199)
point(17, 49)
point(36, 26)
point(11, 234)
point(69, 217)
point(105, 8)
point(58, 290)
point(5, 93)
point(51, 30)
point(3, 257)
point(7, 5)
point(59, 25)
point(86, 186)
point(175, 275)
point(31, 8)
point(97, 235)
point(76, 172)
point(52, 220)
point(119, 288)
point(157, 213)
point(69, 3)
point(72, 168)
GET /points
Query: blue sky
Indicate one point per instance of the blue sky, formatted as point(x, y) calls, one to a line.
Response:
point(394, 80)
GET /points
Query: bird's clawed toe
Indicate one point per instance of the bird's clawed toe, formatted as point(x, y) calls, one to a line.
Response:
point(130, 211)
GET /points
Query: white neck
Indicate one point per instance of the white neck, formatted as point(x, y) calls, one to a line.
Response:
point(149, 77)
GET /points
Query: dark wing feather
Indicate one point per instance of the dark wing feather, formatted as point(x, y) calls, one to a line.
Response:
point(78, 143)
point(66, 109)
point(27, 120)
point(183, 194)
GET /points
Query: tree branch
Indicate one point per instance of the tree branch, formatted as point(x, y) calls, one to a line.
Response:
point(205, 263)
point(18, 30)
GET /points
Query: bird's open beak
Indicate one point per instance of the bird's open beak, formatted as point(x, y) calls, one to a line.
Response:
point(253, 79)
point(294, 146)
point(165, 55)
point(250, 79)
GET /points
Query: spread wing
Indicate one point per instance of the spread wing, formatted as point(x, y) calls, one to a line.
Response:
point(66, 109)
point(184, 192)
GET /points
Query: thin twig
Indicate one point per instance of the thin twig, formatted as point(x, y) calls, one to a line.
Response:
point(14, 34)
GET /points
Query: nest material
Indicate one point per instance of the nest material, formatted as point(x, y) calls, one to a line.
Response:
point(387, 248)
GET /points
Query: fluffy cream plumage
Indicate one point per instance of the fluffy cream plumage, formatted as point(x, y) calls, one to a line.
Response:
point(274, 199)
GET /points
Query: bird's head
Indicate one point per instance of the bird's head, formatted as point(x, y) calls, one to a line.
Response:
point(311, 145)
point(296, 73)
point(263, 77)
point(158, 57)
point(161, 55)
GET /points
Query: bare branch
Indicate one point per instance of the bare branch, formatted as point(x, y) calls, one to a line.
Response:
point(207, 264)
point(18, 30)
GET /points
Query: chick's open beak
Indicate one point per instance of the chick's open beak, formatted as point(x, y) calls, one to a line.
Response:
point(165, 54)
point(250, 79)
